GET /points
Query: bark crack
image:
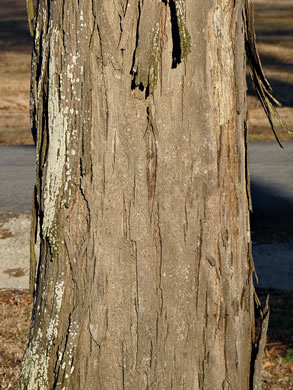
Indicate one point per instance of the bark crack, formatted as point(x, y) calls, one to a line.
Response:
point(136, 301)
point(60, 362)
point(123, 366)
point(152, 159)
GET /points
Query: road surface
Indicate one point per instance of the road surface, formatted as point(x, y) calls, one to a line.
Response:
point(17, 178)
point(271, 171)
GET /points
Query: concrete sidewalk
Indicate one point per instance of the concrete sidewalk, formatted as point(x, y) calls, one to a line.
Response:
point(14, 251)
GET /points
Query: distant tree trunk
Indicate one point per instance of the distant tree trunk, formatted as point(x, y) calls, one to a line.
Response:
point(144, 279)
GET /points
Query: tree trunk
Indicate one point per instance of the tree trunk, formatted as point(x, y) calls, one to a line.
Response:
point(144, 279)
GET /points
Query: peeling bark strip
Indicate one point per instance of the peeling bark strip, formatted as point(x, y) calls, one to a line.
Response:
point(149, 34)
point(260, 83)
point(259, 348)
point(30, 15)
point(145, 68)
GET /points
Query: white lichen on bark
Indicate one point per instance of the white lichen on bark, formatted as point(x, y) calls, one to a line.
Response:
point(52, 329)
point(57, 129)
point(35, 366)
point(35, 363)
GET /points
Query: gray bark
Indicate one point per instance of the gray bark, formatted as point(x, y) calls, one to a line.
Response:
point(144, 279)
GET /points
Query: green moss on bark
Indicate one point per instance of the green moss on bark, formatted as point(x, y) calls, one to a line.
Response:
point(185, 38)
point(153, 71)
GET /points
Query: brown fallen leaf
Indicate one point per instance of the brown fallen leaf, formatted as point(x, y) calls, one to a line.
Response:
point(268, 364)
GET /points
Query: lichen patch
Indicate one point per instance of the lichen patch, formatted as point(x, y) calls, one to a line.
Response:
point(58, 130)
point(36, 359)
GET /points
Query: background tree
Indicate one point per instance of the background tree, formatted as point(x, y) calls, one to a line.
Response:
point(144, 278)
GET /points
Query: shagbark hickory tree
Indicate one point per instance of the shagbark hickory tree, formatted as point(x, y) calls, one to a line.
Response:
point(144, 277)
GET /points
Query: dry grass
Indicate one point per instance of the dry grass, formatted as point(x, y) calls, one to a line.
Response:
point(15, 59)
point(14, 99)
point(15, 309)
point(278, 358)
point(274, 31)
point(277, 371)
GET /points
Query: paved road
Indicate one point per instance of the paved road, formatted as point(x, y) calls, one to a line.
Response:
point(271, 183)
point(272, 220)
point(272, 187)
point(272, 192)
point(17, 178)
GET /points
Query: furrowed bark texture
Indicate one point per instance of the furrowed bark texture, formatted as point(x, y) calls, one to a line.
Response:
point(144, 279)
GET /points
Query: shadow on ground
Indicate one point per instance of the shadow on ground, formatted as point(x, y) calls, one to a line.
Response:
point(14, 29)
point(272, 214)
point(14, 35)
point(282, 90)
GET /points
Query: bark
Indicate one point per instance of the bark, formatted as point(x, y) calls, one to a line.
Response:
point(144, 279)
